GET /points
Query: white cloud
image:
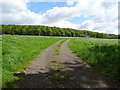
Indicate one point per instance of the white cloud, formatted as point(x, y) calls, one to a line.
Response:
point(16, 12)
point(105, 19)
point(64, 24)
point(60, 13)
point(105, 12)
point(70, 2)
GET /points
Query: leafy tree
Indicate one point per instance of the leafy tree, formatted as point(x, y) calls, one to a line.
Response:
point(52, 31)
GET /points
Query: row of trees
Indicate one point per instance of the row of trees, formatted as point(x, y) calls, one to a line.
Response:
point(51, 31)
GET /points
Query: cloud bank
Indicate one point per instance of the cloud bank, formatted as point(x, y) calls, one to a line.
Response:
point(105, 14)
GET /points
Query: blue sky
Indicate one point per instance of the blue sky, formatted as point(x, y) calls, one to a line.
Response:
point(43, 7)
point(79, 20)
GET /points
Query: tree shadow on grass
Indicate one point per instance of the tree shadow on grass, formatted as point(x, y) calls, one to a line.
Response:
point(106, 59)
point(76, 75)
point(87, 77)
point(40, 80)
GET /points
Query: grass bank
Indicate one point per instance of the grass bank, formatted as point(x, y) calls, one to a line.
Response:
point(57, 48)
point(102, 54)
point(18, 52)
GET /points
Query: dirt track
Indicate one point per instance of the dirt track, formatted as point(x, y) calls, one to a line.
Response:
point(78, 73)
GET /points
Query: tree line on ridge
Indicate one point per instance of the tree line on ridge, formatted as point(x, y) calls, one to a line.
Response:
point(52, 31)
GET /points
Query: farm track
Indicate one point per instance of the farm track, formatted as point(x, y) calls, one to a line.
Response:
point(75, 73)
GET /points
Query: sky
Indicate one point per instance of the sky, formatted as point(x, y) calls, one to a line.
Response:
point(94, 15)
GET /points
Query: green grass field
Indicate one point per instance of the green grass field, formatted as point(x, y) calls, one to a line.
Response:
point(18, 51)
point(102, 54)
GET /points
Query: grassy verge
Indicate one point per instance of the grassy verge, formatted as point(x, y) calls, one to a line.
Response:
point(57, 48)
point(102, 54)
point(18, 51)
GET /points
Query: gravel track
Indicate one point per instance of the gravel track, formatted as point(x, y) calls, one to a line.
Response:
point(79, 74)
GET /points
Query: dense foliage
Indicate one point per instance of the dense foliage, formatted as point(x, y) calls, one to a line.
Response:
point(102, 54)
point(18, 51)
point(51, 31)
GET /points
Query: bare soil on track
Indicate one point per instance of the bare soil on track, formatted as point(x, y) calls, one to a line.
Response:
point(76, 73)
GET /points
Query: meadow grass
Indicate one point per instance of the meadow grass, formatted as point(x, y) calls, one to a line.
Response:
point(18, 52)
point(101, 54)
